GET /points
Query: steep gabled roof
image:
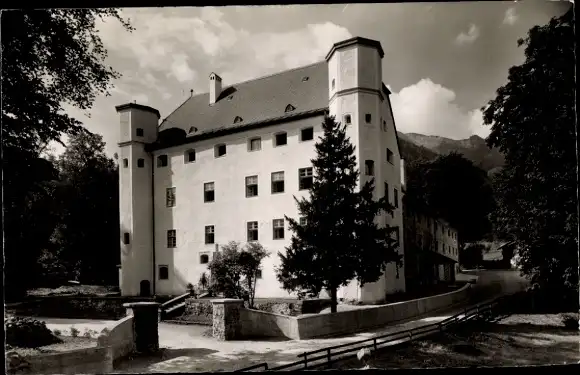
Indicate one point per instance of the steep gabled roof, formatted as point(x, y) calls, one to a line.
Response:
point(256, 100)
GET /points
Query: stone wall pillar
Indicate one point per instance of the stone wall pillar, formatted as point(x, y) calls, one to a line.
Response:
point(145, 325)
point(226, 318)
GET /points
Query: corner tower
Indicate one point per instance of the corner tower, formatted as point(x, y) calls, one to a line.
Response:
point(138, 127)
point(357, 98)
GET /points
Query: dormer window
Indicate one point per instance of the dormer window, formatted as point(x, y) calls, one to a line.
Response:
point(304, 79)
point(192, 129)
point(238, 119)
point(289, 108)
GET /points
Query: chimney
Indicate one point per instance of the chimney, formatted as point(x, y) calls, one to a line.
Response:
point(215, 87)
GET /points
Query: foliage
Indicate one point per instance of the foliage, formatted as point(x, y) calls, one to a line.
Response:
point(532, 122)
point(74, 332)
point(570, 321)
point(341, 240)
point(203, 281)
point(89, 194)
point(53, 272)
point(471, 255)
point(233, 269)
point(28, 333)
point(452, 188)
point(50, 58)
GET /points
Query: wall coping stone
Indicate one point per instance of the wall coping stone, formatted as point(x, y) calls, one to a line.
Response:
point(226, 300)
point(141, 305)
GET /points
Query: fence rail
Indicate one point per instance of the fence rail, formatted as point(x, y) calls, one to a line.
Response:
point(328, 354)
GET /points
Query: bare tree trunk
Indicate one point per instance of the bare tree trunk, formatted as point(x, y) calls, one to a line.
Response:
point(333, 300)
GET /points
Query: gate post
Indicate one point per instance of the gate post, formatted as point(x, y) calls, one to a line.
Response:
point(226, 319)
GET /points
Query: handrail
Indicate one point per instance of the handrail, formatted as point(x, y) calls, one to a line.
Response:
point(374, 342)
point(172, 301)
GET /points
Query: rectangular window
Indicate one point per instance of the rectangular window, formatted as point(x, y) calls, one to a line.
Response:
point(305, 178)
point(347, 119)
point(252, 231)
point(209, 234)
point(280, 139)
point(161, 161)
point(307, 134)
point(389, 156)
point(387, 191)
point(255, 144)
point(258, 274)
point(126, 238)
point(125, 163)
point(369, 168)
point(278, 225)
point(139, 132)
point(203, 259)
point(220, 150)
point(163, 272)
point(251, 186)
point(277, 182)
point(208, 192)
point(170, 197)
point(140, 163)
point(368, 118)
point(189, 156)
point(396, 198)
point(171, 238)
point(385, 128)
point(303, 221)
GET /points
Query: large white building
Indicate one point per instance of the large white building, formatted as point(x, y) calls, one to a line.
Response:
point(225, 166)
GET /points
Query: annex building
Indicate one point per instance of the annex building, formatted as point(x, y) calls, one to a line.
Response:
point(227, 164)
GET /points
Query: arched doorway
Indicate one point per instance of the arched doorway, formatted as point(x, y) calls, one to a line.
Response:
point(145, 288)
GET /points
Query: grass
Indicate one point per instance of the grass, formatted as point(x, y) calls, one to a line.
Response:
point(517, 340)
point(87, 290)
point(68, 343)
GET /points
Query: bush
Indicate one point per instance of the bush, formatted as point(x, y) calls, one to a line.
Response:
point(28, 333)
point(570, 321)
point(57, 332)
point(74, 332)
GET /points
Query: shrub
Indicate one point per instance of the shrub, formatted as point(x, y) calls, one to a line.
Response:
point(570, 321)
point(74, 332)
point(57, 332)
point(28, 333)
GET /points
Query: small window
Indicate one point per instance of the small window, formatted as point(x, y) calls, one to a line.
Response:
point(387, 192)
point(189, 156)
point(208, 192)
point(140, 163)
point(385, 126)
point(307, 134)
point(368, 118)
point(347, 119)
point(277, 182)
point(389, 156)
point(333, 83)
point(170, 197)
point(303, 221)
point(209, 234)
point(305, 178)
point(139, 132)
point(280, 139)
point(278, 225)
point(255, 144)
point(161, 161)
point(238, 119)
point(289, 108)
point(258, 274)
point(251, 186)
point(252, 231)
point(369, 168)
point(192, 129)
point(396, 198)
point(171, 238)
point(204, 259)
point(126, 238)
point(125, 163)
point(163, 272)
point(220, 150)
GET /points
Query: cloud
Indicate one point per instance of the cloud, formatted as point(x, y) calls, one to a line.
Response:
point(429, 108)
point(469, 37)
point(510, 17)
point(180, 68)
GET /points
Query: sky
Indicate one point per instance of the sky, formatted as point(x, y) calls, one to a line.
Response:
point(443, 61)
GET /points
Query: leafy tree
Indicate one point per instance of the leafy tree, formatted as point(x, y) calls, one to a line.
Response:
point(452, 188)
point(532, 122)
point(341, 240)
point(233, 269)
point(472, 255)
point(86, 237)
point(49, 57)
